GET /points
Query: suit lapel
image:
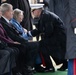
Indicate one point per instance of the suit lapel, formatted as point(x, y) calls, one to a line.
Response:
point(4, 22)
point(8, 26)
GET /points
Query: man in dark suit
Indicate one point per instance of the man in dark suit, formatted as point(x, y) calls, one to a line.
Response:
point(7, 59)
point(29, 50)
point(24, 6)
point(53, 37)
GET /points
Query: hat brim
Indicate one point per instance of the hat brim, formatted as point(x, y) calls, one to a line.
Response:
point(36, 6)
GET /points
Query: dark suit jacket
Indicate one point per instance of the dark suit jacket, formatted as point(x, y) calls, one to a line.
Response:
point(11, 32)
point(54, 36)
point(23, 5)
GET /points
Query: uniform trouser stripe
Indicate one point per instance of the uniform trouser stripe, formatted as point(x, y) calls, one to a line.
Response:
point(74, 66)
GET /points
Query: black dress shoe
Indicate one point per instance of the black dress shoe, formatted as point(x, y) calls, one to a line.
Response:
point(15, 72)
point(33, 70)
point(49, 70)
point(27, 71)
point(18, 73)
point(38, 68)
point(62, 69)
point(41, 69)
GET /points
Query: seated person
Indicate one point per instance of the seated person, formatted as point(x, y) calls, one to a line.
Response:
point(7, 59)
point(17, 19)
point(27, 51)
point(14, 52)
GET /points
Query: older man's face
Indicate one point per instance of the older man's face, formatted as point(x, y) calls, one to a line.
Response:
point(35, 13)
point(9, 13)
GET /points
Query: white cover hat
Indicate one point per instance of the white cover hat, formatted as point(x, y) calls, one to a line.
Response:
point(36, 6)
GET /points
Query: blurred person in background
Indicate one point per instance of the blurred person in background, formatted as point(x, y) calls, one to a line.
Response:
point(58, 7)
point(70, 23)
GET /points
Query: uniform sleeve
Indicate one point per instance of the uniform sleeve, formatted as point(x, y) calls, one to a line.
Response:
point(47, 25)
point(72, 11)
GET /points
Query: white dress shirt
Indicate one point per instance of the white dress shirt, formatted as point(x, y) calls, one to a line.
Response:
point(6, 19)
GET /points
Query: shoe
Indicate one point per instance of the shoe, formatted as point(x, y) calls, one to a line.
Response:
point(49, 70)
point(33, 70)
point(18, 73)
point(62, 69)
point(40, 69)
point(43, 70)
point(27, 71)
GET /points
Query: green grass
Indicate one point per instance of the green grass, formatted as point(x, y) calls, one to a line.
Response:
point(55, 73)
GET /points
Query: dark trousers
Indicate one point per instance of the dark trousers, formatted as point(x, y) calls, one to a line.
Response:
point(4, 61)
point(32, 52)
point(27, 54)
point(46, 56)
point(48, 61)
point(7, 60)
